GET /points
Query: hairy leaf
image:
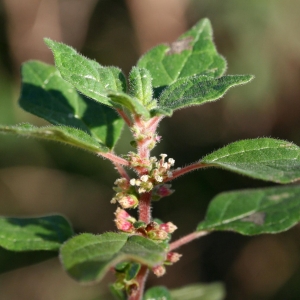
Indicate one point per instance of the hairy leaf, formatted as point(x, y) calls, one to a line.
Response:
point(45, 94)
point(198, 89)
point(86, 75)
point(263, 158)
point(212, 291)
point(132, 104)
point(157, 293)
point(88, 257)
point(193, 53)
point(256, 211)
point(64, 134)
point(29, 234)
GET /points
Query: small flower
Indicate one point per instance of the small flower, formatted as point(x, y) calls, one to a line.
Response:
point(123, 225)
point(159, 270)
point(128, 201)
point(169, 174)
point(173, 257)
point(144, 178)
point(157, 235)
point(141, 190)
point(171, 161)
point(132, 181)
point(159, 178)
point(163, 156)
point(168, 227)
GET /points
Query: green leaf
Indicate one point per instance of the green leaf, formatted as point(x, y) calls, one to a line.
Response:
point(87, 76)
point(88, 257)
point(140, 82)
point(256, 211)
point(29, 234)
point(133, 105)
point(157, 293)
point(263, 158)
point(198, 89)
point(45, 94)
point(193, 53)
point(64, 134)
point(212, 291)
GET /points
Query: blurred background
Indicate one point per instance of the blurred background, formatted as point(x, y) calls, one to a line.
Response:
point(37, 177)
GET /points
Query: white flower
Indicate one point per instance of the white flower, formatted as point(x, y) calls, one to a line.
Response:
point(158, 178)
point(171, 161)
point(132, 181)
point(144, 178)
point(169, 174)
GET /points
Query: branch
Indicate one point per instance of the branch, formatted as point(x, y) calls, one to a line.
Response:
point(178, 172)
point(186, 239)
point(124, 117)
point(114, 158)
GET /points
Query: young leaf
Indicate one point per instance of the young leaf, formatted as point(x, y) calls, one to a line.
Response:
point(212, 291)
point(140, 83)
point(263, 158)
point(198, 89)
point(88, 257)
point(45, 94)
point(30, 234)
point(132, 104)
point(257, 211)
point(87, 76)
point(193, 53)
point(64, 134)
point(157, 292)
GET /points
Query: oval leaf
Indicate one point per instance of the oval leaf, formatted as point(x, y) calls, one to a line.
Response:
point(88, 257)
point(256, 211)
point(212, 291)
point(29, 234)
point(64, 134)
point(45, 94)
point(263, 158)
point(193, 53)
point(86, 75)
point(198, 90)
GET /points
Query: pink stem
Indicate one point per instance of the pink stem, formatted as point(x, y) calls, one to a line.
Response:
point(114, 158)
point(124, 117)
point(141, 279)
point(186, 239)
point(182, 171)
point(153, 123)
point(145, 208)
point(121, 171)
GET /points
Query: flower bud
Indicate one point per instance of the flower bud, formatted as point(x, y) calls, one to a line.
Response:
point(164, 190)
point(173, 257)
point(128, 201)
point(159, 270)
point(124, 225)
point(157, 235)
point(168, 227)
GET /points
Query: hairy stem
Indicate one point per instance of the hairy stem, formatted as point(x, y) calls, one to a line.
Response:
point(124, 117)
point(141, 279)
point(182, 171)
point(121, 171)
point(145, 208)
point(186, 239)
point(114, 158)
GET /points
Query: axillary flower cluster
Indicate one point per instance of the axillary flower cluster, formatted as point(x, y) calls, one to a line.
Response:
point(128, 192)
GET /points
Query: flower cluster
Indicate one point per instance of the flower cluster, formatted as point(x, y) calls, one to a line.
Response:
point(172, 257)
point(154, 231)
point(146, 135)
point(125, 195)
point(158, 172)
